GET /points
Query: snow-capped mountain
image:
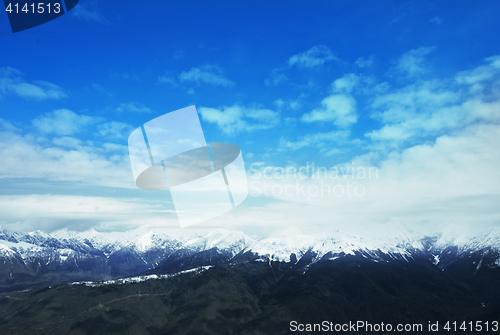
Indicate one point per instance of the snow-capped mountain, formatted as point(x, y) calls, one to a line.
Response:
point(394, 241)
point(38, 258)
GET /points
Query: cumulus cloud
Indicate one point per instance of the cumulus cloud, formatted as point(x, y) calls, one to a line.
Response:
point(63, 122)
point(207, 74)
point(12, 82)
point(314, 57)
point(237, 118)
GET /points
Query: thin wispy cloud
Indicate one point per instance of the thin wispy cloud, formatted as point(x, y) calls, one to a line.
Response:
point(437, 20)
point(413, 63)
point(132, 107)
point(319, 140)
point(207, 74)
point(5, 125)
point(434, 107)
point(363, 62)
point(287, 104)
point(76, 212)
point(314, 57)
point(63, 122)
point(65, 159)
point(89, 13)
point(13, 83)
point(115, 129)
point(167, 79)
point(275, 78)
point(236, 119)
point(482, 77)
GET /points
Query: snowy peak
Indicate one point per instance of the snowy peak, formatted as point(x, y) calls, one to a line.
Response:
point(221, 239)
point(394, 241)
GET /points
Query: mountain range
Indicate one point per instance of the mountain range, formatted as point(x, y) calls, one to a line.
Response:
point(225, 282)
point(37, 258)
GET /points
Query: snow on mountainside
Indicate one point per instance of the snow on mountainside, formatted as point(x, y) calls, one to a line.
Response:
point(37, 257)
point(394, 240)
point(278, 246)
point(233, 241)
point(282, 244)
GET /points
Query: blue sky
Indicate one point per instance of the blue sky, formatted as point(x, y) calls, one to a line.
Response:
point(411, 88)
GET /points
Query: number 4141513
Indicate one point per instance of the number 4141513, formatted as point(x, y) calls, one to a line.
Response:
point(39, 8)
point(477, 326)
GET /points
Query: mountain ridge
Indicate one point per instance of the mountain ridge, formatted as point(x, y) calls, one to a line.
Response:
point(38, 258)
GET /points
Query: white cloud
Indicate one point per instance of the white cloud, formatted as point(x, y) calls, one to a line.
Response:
point(338, 108)
point(346, 83)
point(276, 77)
point(132, 107)
point(208, 74)
point(431, 108)
point(448, 172)
point(63, 159)
point(80, 213)
point(11, 82)
point(316, 56)
point(167, 79)
point(115, 129)
point(412, 63)
point(5, 125)
point(63, 122)
point(392, 133)
point(237, 118)
point(362, 62)
point(288, 104)
point(89, 13)
point(482, 77)
point(319, 140)
point(452, 179)
point(67, 142)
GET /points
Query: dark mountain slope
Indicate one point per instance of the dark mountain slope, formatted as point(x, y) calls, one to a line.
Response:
point(253, 297)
